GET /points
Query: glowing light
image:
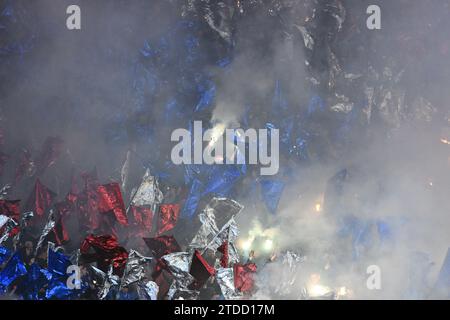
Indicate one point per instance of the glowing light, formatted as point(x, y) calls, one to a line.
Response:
point(318, 207)
point(246, 244)
point(445, 141)
point(268, 245)
point(318, 290)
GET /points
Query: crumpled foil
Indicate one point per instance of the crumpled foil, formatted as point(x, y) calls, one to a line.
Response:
point(134, 268)
point(51, 221)
point(225, 280)
point(4, 191)
point(217, 209)
point(148, 291)
point(290, 262)
point(10, 224)
point(110, 280)
point(307, 37)
point(3, 220)
point(148, 193)
point(229, 233)
point(178, 291)
point(179, 264)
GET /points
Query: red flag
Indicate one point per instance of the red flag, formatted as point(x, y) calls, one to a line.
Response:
point(223, 249)
point(50, 152)
point(10, 208)
point(26, 165)
point(107, 251)
point(168, 217)
point(59, 232)
point(243, 277)
point(41, 199)
point(162, 245)
point(200, 270)
point(110, 199)
point(143, 217)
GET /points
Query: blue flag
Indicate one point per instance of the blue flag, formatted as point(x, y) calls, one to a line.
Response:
point(271, 191)
point(14, 269)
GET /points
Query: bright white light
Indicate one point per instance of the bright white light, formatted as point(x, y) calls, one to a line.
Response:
point(246, 245)
point(268, 245)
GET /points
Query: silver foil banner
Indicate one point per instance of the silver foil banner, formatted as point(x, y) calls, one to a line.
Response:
point(225, 280)
point(148, 291)
point(47, 228)
point(134, 268)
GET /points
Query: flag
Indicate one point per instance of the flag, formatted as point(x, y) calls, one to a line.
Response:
point(10, 208)
point(243, 277)
point(57, 263)
point(110, 199)
point(106, 251)
point(162, 245)
point(14, 269)
point(26, 166)
point(168, 217)
point(41, 199)
point(271, 191)
point(223, 249)
point(35, 279)
point(143, 217)
point(191, 203)
point(50, 152)
point(200, 270)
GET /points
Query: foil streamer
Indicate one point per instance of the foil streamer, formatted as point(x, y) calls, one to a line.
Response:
point(5, 254)
point(344, 105)
point(10, 208)
point(148, 291)
point(308, 40)
point(225, 280)
point(207, 230)
point(26, 167)
point(143, 217)
point(57, 263)
point(168, 217)
point(178, 264)
point(109, 281)
point(8, 229)
point(46, 230)
point(177, 293)
point(134, 268)
point(4, 191)
point(243, 277)
point(14, 268)
point(148, 193)
point(162, 245)
point(125, 171)
point(271, 191)
point(3, 220)
point(107, 251)
point(41, 199)
point(34, 281)
point(291, 263)
point(51, 150)
point(191, 203)
point(200, 270)
point(110, 199)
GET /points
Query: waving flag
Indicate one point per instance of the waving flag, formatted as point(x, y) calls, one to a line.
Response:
point(110, 199)
point(41, 199)
point(168, 217)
